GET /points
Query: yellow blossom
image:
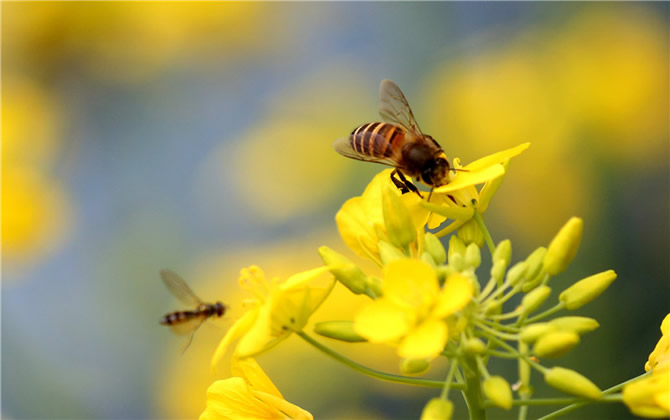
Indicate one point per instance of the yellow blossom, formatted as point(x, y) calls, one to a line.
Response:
point(250, 394)
point(361, 219)
point(277, 309)
point(413, 310)
point(662, 349)
point(650, 396)
point(459, 199)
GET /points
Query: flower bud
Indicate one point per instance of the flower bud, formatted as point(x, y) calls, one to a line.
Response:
point(473, 256)
point(471, 233)
point(457, 262)
point(456, 246)
point(584, 291)
point(555, 344)
point(414, 366)
point(531, 283)
point(530, 333)
point(375, 285)
point(344, 270)
point(474, 346)
point(338, 330)
point(493, 308)
point(534, 262)
point(498, 270)
point(437, 409)
point(388, 252)
point(534, 299)
point(577, 324)
point(503, 252)
point(433, 246)
point(515, 274)
point(428, 259)
point(498, 391)
point(397, 219)
point(563, 247)
point(571, 382)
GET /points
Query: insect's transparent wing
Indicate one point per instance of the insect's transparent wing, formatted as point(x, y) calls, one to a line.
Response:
point(187, 327)
point(178, 287)
point(393, 106)
point(343, 146)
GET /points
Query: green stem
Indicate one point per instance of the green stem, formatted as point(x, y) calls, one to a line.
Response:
point(560, 401)
point(548, 312)
point(576, 405)
point(450, 376)
point(487, 235)
point(374, 373)
point(473, 390)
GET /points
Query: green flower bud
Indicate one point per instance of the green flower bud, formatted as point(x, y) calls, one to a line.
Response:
point(437, 409)
point(397, 219)
point(571, 382)
point(577, 324)
point(414, 366)
point(532, 283)
point(375, 285)
point(428, 259)
point(515, 274)
point(555, 344)
point(584, 291)
point(494, 308)
point(473, 256)
point(563, 247)
point(474, 346)
point(471, 233)
point(534, 299)
point(344, 270)
point(534, 262)
point(456, 246)
point(498, 391)
point(457, 262)
point(530, 333)
point(498, 270)
point(388, 252)
point(434, 247)
point(503, 252)
point(338, 330)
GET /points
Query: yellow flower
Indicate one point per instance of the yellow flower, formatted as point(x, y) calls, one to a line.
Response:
point(413, 311)
point(662, 349)
point(250, 394)
point(277, 309)
point(459, 199)
point(361, 219)
point(650, 396)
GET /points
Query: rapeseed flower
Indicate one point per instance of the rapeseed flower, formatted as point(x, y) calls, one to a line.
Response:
point(413, 312)
point(249, 394)
point(459, 199)
point(277, 309)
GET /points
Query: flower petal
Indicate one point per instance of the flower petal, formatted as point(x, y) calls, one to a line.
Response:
point(410, 283)
point(284, 407)
point(240, 327)
point(254, 376)
point(473, 177)
point(425, 341)
point(232, 398)
point(381, 321)
point(499, 157)
point(456, 293)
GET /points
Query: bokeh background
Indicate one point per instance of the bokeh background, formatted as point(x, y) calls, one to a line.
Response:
point(197, 136)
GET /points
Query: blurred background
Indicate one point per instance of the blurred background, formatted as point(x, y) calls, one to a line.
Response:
point(197, 137)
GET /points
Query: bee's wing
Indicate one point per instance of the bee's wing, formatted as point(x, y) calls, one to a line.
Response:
point(187, 327)
point(178, 287)
point(344, 147)
point(393, 106)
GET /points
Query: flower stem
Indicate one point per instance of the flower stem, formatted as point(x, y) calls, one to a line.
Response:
point(560, 401)
point(375, 373)
point(473, 390)
point(450, 376)
point(548, 312)
point(487, 235)
point(606, 398)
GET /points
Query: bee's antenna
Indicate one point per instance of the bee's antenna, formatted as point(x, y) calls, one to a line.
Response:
point(430, 194)
point(460, 170)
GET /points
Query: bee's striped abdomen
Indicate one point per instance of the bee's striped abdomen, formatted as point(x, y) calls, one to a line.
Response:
point(376, 139)
point(178, 317)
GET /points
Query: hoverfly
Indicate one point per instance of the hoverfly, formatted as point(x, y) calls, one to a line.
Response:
point(398, 142)
point(187, 322)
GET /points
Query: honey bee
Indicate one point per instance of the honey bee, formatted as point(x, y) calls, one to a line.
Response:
point(398, 142)
point(187, 322)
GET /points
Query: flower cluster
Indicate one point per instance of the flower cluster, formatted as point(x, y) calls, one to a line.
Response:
point(430, 302)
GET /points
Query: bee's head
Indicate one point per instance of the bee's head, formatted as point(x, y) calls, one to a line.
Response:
point(436, 173)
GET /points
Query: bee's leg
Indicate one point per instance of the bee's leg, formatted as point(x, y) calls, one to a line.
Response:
point(408, 186)
point(398, 183)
